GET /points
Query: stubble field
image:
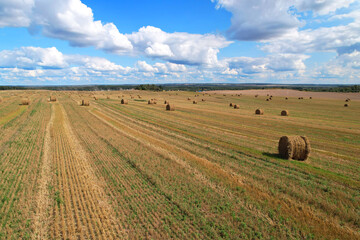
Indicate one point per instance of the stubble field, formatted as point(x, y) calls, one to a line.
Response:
point(203, 171)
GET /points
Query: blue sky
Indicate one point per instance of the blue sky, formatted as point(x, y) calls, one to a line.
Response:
point(179, 41)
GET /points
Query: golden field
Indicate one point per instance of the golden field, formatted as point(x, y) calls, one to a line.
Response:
point(204, 171)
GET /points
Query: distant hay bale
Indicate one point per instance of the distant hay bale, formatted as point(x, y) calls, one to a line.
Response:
point(170, 107)
point(267, 99)
point(95, 98)
point(188, 98)
point(231, 104)
point(346, 105)
point(224, 95)
point(166, 102)
point(203, 100)
point(52, 99)
point(25, 101)
point(256, 95)
point(85, 103)
point(236, 106)
point(1, 99)
point(286, 98)
point(194, 102)
point(107, 97)
point(310, 97)
point(124, 101)
point(151, 101)
point(284, 113)
point(347, 100)
point(259, 112)
point(294, 147)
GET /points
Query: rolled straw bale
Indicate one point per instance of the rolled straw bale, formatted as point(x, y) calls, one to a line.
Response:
point(294, 147)
point(259, 112)
point(194, 102)
point(25, 101)
point(85, 103)
point(284, 113)
point(165, 102)
point(203, 100)
point(231, 104)
point(170, 107)
point(124, 101)
point(236, 106)
point(52, 99)
point(346, 105)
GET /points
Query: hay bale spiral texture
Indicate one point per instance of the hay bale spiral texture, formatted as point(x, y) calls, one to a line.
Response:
point(284, 113)
point(259, 112)
point(294, 147)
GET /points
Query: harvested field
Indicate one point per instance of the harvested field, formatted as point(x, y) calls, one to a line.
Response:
point(203, 171)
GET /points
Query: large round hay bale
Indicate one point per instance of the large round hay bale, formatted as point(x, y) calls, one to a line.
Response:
point(188, 98)
point(284, 113)
point(236, 106)
point(85, 103)
point(194, 102)
point(166, 102)
point(124, 101)
point(345, 105)
point(286, 98)
point(25, 101)
point(95, 98)
point(107, 97)
point(259, 112)
point(52, 99)
point(231, 104)
point(294, 147)
point(267, 99)
point(203, 100)
point(170, 107)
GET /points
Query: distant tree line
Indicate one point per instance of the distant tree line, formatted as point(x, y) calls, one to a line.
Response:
point(192, 87)
point(150, 87)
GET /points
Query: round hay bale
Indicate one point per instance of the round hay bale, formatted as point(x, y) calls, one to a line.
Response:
point(194, 102)
point(124, 101)
point(85, 103)
point(203, 100)
point(346, 105)
point(310, 97)
point(52, 99)
point(294, 147)
point(236, 106)
point(170, 107)
point(256, 95)
point(231, 104)
point(95, 98)
point(347, 100)
point(189, 98)
point(151, 101)
point(165, 102)
point(267, 99)
point(284, 113)
point(259, 112)
point(107, 97)
point(25, 101)
point(286, 98)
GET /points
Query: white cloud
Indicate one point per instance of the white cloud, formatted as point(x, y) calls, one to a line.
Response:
point(32, 57)
point(184, 48)
point(73, 21)
point(272, 63)
point(266, 20)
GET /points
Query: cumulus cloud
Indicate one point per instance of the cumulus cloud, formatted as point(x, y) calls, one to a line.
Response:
point(183, 48)
point(272, 63)
point(343, 38)
point(31, 58)
point(73, 21)
point(266, 20)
